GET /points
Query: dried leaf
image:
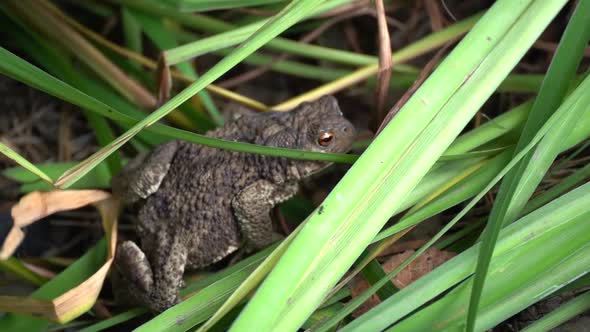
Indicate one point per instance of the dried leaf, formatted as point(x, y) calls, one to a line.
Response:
point(164, 79)
point(81, 298)
point(385, 64)
point(425, 263)
point(38, 205)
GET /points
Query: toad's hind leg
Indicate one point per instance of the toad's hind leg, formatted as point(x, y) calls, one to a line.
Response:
point(153, 283)
point(132, 278)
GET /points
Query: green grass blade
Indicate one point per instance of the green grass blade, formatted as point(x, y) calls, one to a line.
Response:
point(164, 39)
point(491, 130)
point(17, 158)
point(100, 177)
point(250, 283)
point(520, 184)
point(204, 5)
point(209, 24)
point(564, 185)
point(562, 314)
point(239, 34)
point(114, 320)
point(132, 32)
point(16, 267)
point(18, 69)
point(560, 74)
point(537, 268)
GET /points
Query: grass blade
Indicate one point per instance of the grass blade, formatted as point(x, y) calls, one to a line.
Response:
point(8, 152)
point(520, 184)
point(18, 69)
point(562, 314)
point(203, 5)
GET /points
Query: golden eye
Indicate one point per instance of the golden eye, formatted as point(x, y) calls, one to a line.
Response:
point(326, 138)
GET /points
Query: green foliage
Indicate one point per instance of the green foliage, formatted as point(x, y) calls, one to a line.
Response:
point(531, 248)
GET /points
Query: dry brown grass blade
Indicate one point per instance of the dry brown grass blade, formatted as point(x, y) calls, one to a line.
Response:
point(150, 64)
point(385, 65)
point(421, 78)
point(39, 17)
point(307, 38)
point(437, 20)
point(81, 298)
point(164, 79)
point(428, 261)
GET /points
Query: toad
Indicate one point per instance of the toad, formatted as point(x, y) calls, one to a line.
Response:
point(198, 204)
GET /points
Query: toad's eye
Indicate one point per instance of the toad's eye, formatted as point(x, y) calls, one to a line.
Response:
point(326, 138)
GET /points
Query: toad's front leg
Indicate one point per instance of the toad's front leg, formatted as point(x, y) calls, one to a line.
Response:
point(153, 283)
point(252, 208)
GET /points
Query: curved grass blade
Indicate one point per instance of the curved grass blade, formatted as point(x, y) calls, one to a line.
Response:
point(18, 69)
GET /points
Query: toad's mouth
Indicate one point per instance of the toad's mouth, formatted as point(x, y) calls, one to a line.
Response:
point(309, 168)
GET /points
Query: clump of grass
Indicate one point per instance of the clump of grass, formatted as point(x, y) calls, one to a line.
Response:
point(430, 168)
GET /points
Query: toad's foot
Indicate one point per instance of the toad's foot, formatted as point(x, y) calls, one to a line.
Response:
point(136, 280)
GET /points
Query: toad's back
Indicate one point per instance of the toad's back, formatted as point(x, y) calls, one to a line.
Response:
point(195, 204)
